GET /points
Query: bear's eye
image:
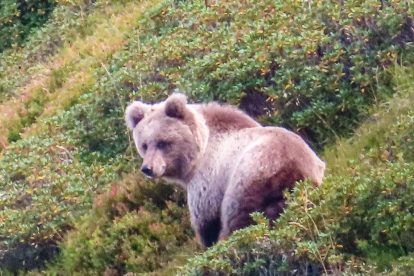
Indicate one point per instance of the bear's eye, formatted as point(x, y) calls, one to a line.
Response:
point(163, 145)
point(144, 147)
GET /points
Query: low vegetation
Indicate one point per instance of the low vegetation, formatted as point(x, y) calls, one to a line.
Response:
point(72, 200)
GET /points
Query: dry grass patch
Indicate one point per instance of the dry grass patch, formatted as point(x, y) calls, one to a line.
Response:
point(77, 63)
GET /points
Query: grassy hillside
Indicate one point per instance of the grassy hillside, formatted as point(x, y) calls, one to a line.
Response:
point(70, 192)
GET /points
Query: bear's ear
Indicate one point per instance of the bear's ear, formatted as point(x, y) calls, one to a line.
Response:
point(175, 106)
point(134, 113)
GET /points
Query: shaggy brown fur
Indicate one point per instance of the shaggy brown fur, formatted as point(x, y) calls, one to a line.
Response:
point(229, 164)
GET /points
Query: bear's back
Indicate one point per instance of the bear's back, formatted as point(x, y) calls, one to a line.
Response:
point(224, 118)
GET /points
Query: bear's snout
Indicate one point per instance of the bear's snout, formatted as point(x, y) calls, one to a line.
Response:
point(147, 171)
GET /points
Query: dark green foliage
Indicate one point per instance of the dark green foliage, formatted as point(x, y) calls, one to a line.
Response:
point(98, 127)
point(19, 18)
point(24, 256)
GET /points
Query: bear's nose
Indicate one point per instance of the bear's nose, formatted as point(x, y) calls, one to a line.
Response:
point(147, 171)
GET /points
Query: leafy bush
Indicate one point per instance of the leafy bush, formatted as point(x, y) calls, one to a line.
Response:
point(18, 18)
point(135, 227)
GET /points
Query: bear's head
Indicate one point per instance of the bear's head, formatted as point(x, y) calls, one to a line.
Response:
point(170, 137)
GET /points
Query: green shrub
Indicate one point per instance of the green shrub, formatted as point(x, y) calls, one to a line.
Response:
point(19, 18)
point(135, 227)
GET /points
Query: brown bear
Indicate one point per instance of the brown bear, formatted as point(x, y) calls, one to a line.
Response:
point(229, 164)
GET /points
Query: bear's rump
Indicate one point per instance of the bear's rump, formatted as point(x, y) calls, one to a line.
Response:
point(267, 151)
point(273, 162)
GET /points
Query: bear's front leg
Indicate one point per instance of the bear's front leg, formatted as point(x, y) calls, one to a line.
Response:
point(205, 215)
point(209, 232)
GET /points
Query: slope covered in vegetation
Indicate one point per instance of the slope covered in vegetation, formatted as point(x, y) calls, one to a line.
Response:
point(70, 192)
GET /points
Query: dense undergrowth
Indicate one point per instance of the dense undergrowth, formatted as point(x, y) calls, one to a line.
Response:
point(70, 192)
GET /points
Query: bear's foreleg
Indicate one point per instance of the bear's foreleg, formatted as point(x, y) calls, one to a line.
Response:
point(209, 232)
